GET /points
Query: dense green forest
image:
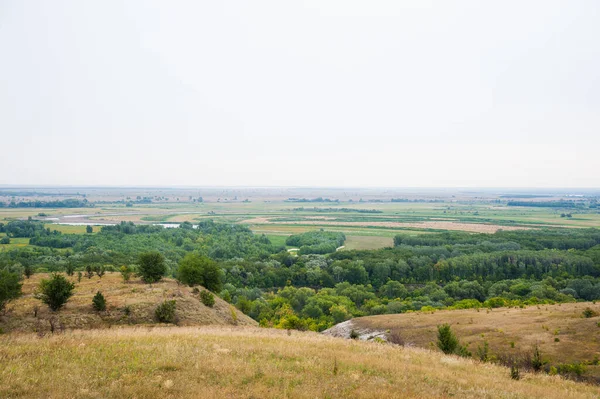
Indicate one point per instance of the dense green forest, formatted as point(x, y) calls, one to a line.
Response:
point(19, 229)
point(321, 286)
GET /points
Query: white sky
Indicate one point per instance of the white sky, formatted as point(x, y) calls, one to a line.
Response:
point(310, 93)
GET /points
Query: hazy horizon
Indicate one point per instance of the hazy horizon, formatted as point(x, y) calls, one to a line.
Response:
point(331, 94)
point(559, 191)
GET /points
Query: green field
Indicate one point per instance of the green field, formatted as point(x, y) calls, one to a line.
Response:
point(14, 243)
point(369, 224)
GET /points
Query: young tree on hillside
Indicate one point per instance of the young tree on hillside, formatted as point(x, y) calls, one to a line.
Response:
point(28, 270)
point(10, 287)
point(99, 302)
point(126, 272)
point(56, 291)
point(100, 271)
point(89, 229)
point(191, 269)
point(447, 341)
point(200, 270)
point(151, 266)
point(70, 268)
point(212, 277)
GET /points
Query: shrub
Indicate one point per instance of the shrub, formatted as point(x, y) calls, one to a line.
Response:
point(70, 269)
point(89, 272)
point(28, 271)
point(571, 369)
point(233, 314)
point(293, 322)
point(165, 312)
point(537, 362)
point(339, 313)
point(207, 298)
point(79, 274)
point(190, 270)
point(125, 273)
point(10, 287)
point(98, 302)
point(244, 304)
point(212, 277)
point(483, 352)
point(447, 341)
point(514, 372)
point(100, 270)
point(226, 296)
point(5, 240)
point(463, 351)
point(589, 312)
point(151, 266)
point(496, 302)
point(56, 291)
point(354, 334)
point(395, 338)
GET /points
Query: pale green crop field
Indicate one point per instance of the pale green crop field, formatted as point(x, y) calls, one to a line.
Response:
point(14, 243)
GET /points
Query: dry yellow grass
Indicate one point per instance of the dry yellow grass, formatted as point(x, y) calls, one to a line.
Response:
point(246, 362)
point(579, 338)
point(66, 229)
point(141, 299)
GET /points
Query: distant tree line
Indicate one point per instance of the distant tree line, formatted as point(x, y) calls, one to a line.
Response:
point(535, 239)
point(318, 199)
point(357, 210)
point(67, 203)
point(26, 229)
point(548, 204)
point(416, 200)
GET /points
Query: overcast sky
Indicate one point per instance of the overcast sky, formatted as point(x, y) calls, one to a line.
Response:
point(300, 93)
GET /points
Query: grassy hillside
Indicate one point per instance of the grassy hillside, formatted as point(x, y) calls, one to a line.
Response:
point(246, 362)
point(141, 300)
point(561, 331)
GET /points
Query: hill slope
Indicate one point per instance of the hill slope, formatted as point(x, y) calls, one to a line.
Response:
point(561, 332)
point(141, 300)
point(248, 362)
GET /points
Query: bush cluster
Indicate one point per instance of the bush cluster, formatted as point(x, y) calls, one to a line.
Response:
point(165, 312)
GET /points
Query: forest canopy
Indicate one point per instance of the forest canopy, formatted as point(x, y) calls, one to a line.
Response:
point(322, 284)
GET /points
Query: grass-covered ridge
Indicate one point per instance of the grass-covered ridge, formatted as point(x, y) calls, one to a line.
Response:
point(561, 332)
point(217, 362)
point(127, 303)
